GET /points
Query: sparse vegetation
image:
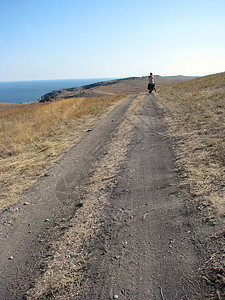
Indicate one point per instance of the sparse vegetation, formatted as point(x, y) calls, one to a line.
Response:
point(33, 136)
point(194, 111)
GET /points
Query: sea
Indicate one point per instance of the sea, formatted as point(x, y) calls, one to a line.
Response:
point(28, 91)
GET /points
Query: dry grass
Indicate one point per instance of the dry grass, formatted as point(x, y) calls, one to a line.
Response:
point(33, 136)
point(195, 113)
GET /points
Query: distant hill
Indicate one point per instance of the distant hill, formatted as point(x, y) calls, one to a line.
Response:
point(182, 77)
point(168, 80)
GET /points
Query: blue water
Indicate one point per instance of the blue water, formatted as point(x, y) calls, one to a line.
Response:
point(28, 91)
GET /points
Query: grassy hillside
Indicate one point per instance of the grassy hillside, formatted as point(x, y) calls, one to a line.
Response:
point(195, 113)
point(33, 136)
point(196, 117)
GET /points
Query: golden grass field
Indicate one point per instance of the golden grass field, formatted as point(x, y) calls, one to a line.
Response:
point(195, 115)
point(32, 136)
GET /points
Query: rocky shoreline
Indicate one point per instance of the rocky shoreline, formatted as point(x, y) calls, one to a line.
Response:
point(83, 91)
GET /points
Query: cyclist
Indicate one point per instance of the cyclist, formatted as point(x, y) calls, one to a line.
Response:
point(151, 83)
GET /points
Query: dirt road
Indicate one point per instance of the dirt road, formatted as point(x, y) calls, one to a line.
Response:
point(141, 246)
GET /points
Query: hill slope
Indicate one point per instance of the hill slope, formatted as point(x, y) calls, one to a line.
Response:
point(195, 114)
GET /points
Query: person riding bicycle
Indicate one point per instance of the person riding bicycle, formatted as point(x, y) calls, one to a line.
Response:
point(151, 83)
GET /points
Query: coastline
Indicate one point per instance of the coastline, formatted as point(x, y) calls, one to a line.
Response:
point(82, 91)
point(32, 90)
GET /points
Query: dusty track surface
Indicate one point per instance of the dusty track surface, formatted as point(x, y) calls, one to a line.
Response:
point(143, 246)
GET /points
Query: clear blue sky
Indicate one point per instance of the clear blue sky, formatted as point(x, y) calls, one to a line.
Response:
point(56, 39)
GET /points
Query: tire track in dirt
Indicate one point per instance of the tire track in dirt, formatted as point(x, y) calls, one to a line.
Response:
point(69, 261)
point(29, 228)
point(146, 233)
